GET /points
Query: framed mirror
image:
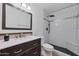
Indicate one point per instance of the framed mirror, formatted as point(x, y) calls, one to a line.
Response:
point(15, 18)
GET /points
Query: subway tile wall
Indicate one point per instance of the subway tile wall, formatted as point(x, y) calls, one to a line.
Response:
point(15, 36)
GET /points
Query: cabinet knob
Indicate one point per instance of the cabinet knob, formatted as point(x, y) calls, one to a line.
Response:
point(18, 51)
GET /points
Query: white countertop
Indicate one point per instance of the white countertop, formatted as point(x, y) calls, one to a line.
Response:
point(16, 41)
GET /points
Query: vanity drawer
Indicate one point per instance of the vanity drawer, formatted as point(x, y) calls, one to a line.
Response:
point(22, 49)
point(31, 44)
point(11, 50)
point(35, 51)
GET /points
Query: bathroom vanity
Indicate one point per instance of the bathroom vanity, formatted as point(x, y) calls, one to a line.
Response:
point(29, 46)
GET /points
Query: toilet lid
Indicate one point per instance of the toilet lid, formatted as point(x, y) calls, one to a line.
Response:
point(47, 45)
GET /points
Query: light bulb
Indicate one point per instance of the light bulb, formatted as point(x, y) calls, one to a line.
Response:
point(23, 5)
point(29, 8)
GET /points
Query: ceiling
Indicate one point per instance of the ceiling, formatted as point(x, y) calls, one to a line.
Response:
point(52, 7)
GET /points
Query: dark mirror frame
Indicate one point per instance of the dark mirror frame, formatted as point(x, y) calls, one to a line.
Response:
point(4, 17)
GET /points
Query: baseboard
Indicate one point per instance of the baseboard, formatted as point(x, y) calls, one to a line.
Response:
point(64, 50)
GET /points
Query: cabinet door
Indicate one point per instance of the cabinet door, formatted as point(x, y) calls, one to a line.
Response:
point(34, 48)
point(35, 52)
point(32, 52)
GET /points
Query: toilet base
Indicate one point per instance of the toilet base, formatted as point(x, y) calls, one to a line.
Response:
point(45, 53)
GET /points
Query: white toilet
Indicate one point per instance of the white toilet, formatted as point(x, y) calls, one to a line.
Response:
point(46, 49)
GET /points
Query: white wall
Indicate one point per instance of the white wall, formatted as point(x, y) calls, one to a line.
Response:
point(37, 20)
point(64, 31)
point(37, 26)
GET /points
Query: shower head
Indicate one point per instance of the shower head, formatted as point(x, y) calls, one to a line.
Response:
point(51, 16)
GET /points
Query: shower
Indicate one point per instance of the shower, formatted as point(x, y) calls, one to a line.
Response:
point(49, 18)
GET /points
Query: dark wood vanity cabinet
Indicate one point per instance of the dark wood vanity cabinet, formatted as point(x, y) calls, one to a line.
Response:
point(32, 48)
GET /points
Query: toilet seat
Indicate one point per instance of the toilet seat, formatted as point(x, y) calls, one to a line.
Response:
point(48, 47)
